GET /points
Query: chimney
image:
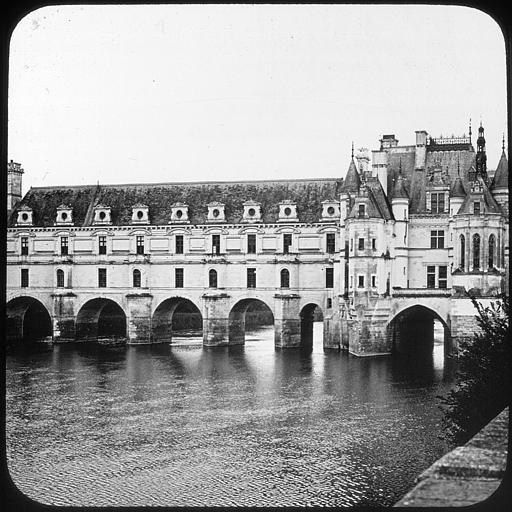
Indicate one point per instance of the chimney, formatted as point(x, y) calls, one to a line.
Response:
point(14, 179)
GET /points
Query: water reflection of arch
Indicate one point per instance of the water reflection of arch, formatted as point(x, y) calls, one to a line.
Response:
point(237, 318)
point(100, 318)
point(162, 318)
point(411, 330)
point(27, 320)
point(307, 318)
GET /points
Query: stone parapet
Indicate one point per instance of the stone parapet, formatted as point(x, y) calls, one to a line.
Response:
point(468, 474)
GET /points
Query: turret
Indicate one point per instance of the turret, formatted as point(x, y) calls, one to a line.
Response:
point(499, 185)
point(457, 193)
point(14, 181)
point(400, 206)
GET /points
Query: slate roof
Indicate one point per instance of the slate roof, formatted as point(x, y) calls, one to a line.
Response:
point(487, 202)
point(352, 180)
point(457, 189)
point(308, 194)
point(500, 179)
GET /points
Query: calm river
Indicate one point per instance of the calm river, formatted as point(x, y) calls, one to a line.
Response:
point(248, 426)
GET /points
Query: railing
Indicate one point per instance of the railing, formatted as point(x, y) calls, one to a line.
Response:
point(421, 292)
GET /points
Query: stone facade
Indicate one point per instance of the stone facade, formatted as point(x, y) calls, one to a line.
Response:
point(399, 240)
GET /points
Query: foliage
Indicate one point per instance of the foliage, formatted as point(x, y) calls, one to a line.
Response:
point(484, 375)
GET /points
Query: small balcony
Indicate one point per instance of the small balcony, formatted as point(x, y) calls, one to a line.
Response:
point(421, 292)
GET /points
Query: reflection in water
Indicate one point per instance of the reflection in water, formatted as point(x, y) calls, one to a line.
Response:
point(241, 426)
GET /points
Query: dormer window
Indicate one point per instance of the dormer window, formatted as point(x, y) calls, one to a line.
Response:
point(140, 214)
point(102, 215)
point(24, 216)
point(330, 210)
point(64, 216)
point(361, 211)
point(252, 211)
point(288, 212)
point(179, 213)
point(476, 207)
point(216, 212)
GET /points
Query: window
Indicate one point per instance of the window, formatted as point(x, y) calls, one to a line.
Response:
point(360, 281)
point(178, 278)
point(329, 303)
point(437, 239)
point(102, 244)
point(374, 281)
point(330, 242)
point(431, 277)
point(24, 277)
point(215, 244)
point(476, 251)
point(64, 245)
point(60, 278)
point(492, 248)
point(285, 278)
point(437, 202)
point(360, 244)
point(361, 211)
point(442, 283)
point(251, 278)
point(251, 244)
point(329, 278)
point(374, 244)
point(351, 244)
point(212, 278)
point(140, 244)
point(287, 242)
point(102, 278)
point(476, 207)
point(179, 244)
point(24, 245)
point(462, 258)
point(136, 278)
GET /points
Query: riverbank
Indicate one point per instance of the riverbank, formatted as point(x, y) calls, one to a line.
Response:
point(468, 474)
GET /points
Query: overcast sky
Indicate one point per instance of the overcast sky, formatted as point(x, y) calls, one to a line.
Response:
point(126, 94)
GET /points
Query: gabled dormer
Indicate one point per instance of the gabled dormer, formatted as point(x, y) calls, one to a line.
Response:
point(64, 216)
point(179, 213)
point(437, 190)
point(25, 214)
point(216, 212)
point(252, 211)
point(288, 211)
point(140, 214)
point(330, 210)
point(102, 215)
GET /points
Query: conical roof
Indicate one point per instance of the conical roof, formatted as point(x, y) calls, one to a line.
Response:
point(500, 179)
point(352, 180)
point(457, 188)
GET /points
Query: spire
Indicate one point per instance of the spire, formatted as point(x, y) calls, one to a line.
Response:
point(503, 143)
point(352, 180)
point(481, 157)
point(457, 188)
point(470, 130)
point(500, 179)
point(352, 153)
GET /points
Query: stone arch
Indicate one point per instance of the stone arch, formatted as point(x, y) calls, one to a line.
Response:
point(165, 320)
point(27, 320)
point(100, 318)
point(307, 315)
point(237, 318)
point(411, 330)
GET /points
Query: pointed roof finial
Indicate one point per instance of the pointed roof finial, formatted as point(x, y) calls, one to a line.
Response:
point(458, 165)
point(503, 143)
point(470, 129)
point(352, 149)
point(400, 166)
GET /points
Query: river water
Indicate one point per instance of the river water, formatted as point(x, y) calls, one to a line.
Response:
point(95, 425)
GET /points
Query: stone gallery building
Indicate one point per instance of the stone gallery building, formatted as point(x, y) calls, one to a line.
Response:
point(395, 245)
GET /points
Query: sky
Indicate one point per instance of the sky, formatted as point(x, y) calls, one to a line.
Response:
point(163, 93)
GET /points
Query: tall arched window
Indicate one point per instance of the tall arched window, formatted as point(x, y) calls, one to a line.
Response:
point(492, 249)
point(476, 252)
point(136, 278)
point(212, 278)
point(462, 259)
point(60, 278)
point(285, 278)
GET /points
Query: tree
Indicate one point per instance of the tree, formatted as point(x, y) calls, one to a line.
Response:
point(483, 387)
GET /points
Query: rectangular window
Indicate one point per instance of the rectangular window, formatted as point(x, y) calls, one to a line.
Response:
point(329, 303)
point(431, 277)
point(287, 242)
point(102, 245)
point(60, 278)
point(374, 244)
point(330, 243)
point(178, 278)
point(361, 211)
point(360, 244)
point(437, 239)
point(140, 244)
point(360, 281)
point(351, 244)
point(374, 281)
point(476, 207)
point(215, 244)
point(329, 278)
point(437, 202)
point(251, 244)
point(251, 278)
point(64, 245)
point(24, 277)
point(24, 245)
point(179, 244)
point(102, 278)
point(443, 277)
